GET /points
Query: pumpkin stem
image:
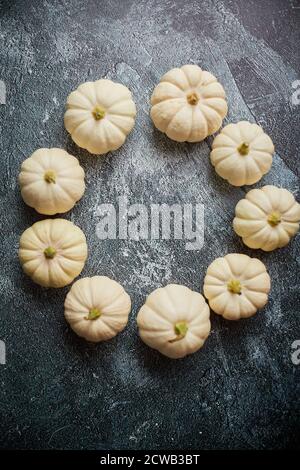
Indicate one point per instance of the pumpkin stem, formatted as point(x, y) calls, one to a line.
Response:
point(93, 314)
point(49, 252)
point(98, 113)
point(244, 148)
point(234, 286)
point(274, 219)
point(181, 330)
point(192, 98)
point(50, 176)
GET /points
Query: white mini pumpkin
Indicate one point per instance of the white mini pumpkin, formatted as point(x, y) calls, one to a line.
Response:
point(51, 181)
point(174, 320)
point(236, 286)
point(53, 252)
point(267, 218)
point(97, 308)
point(242, 153)
point(188, 104)
point(100, 115)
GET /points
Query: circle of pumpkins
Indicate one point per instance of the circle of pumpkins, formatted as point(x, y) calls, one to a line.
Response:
point(187, 105)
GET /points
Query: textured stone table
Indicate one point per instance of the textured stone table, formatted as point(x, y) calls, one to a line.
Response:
point(57, 391)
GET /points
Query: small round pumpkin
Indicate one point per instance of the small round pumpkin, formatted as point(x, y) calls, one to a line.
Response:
point(242, 153)
point(236, 286)
point(51, 181)
point(97, 308)
point(267, 218)
point(188, 104)
point(53, 252)
point(100, 115)
point(174, 320)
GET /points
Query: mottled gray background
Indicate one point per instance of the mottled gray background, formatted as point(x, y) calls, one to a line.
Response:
point(57, 391)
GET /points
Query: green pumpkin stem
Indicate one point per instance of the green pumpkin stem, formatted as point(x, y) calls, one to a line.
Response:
point(49, 252)
point(244, 148)
point(98, 113)
point(50, 176)
point(274, 219)
point(181, 330)
point(234, 286)
point(93, 314)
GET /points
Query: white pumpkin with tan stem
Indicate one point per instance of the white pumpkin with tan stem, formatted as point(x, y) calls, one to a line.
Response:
point(97, 308)
point(267, 218)
point(188, 104)
point(51, 181)
point(242, 153)
point(100, 115)
point(53, 252)
point(236, 286)
point(174, 320)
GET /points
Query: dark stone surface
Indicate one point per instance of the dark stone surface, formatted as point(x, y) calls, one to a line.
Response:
point(57, 391)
